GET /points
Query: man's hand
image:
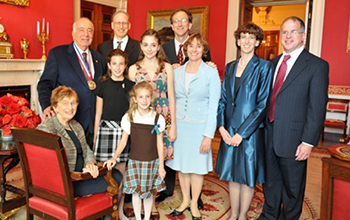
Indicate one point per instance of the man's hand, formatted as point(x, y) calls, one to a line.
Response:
point(48, 113)
point(211, 64)
point(303, 152)
point(175, 65)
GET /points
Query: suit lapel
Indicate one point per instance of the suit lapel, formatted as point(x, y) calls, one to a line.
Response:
point(129, 48)
point(74, 61)
point(297, 68)
point(97, 66)
point(173, 52)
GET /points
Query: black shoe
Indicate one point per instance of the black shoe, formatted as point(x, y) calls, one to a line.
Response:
point(161, 197)
point(200, 203)
point(176, 213)
point(127, 198)
point(196, 218)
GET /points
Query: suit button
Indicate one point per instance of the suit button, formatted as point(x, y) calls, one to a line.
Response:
point(233, 104)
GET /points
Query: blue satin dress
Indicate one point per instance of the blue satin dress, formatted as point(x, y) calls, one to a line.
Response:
point(243, 111)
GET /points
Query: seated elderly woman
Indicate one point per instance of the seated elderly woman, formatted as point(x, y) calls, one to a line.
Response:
point(64, 101)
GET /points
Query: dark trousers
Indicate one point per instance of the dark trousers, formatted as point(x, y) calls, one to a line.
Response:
point(89, 139)
point(92, 186)
point(284, 187)
point(169, 180)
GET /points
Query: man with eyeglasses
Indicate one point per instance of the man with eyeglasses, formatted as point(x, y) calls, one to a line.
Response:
point(121, 25)
point(296, 112)
point(181, 23)
point(76, 66)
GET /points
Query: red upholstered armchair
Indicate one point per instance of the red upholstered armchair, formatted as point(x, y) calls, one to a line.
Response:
point(337, 115)
point(48, 180)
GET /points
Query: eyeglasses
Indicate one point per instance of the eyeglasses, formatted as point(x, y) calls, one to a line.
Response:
point(293, 32)
point(121, 23)
point(66, 103)
point(182, 20)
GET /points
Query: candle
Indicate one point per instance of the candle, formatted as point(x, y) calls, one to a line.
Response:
point(47, 30)
point(43, 23)
point(38, 26)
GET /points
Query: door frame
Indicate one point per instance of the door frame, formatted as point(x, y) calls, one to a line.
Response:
point(316, 34)
point(118, 4)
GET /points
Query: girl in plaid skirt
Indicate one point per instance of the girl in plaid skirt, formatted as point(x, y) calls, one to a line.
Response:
point(145, 172)
point(112, 102)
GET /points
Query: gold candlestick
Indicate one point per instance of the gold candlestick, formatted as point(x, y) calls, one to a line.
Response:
point(43, 37)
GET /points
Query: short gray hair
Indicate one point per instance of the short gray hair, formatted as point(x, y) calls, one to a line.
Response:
point(118, 12)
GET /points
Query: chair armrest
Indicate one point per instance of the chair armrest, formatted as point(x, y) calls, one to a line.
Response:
point(76, 176)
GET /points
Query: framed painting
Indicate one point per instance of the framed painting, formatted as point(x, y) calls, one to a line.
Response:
point(160, 21)
point(16, 2)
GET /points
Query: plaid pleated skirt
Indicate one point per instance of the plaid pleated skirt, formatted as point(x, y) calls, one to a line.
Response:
point(142, 178)
point(108, 137)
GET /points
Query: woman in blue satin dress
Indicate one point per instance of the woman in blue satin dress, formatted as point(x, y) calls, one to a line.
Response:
point(240, 120)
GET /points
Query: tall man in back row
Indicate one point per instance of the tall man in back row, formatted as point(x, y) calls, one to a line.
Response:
point(121, 40)
point(296, 112)
point(78, 67)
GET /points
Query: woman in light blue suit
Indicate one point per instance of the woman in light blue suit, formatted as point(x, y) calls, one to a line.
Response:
point(241, 113)
point(197, 93)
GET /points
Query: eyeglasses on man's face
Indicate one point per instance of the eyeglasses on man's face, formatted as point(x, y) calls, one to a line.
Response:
point(293, 32)
point(120, 23)
point(182, 20)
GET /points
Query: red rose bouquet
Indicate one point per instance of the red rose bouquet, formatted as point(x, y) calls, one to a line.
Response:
point(15, 112)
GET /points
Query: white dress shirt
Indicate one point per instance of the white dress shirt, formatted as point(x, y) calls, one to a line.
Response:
point(123, 44)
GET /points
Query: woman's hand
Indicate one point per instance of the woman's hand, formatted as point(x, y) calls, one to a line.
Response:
point(225, 135)
point(161, 172)
point(110, 163)
point(92, 169)
point(236, 140)
point(205, 145)
point(172, 134)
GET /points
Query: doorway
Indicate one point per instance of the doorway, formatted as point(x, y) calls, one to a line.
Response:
point(101, 17)
point(269, 15)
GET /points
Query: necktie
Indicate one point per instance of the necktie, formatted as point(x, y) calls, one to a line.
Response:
point(119, 46)
point(180, 56)
point(85, 59)
point(278, 84)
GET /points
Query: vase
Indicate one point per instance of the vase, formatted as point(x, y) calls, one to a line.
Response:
point(6, 137)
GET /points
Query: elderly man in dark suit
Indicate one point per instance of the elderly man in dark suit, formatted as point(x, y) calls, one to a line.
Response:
point(78, 67)
point(297, 109)
point(121, 25)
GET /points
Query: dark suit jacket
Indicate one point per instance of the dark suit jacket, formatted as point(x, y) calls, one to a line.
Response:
point(132, 49)
point(62, 67)
point(169, 49)
point(300, 104)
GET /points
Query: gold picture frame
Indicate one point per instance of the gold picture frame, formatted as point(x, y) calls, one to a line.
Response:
point(16, 2)
point(158, 19)
point(348, 47)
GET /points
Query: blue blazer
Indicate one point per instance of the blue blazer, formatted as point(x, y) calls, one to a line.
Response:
point(300, 105)
point(198, 104)
point(62, 67)
point(245, 111)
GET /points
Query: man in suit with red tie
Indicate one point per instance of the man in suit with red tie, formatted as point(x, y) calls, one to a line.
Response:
point(296, 113)
point(78, 67)
point(181, 23)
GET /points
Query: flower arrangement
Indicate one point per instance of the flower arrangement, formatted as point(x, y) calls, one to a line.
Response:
point(15, 112)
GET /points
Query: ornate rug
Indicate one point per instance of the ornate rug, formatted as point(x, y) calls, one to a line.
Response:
point(215, 196)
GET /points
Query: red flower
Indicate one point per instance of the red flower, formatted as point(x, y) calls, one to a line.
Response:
point(23, 102)
point(20, 121)
point(28, 113)
point(6, 119)
point(6, 130)
point(15, 112)
point(2, 112)
point(36, 119)
point(13, 108)
point(4, 100)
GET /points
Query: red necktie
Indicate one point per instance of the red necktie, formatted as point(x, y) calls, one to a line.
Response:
point(85, 59)
point(276, 88)
point(180, 56)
